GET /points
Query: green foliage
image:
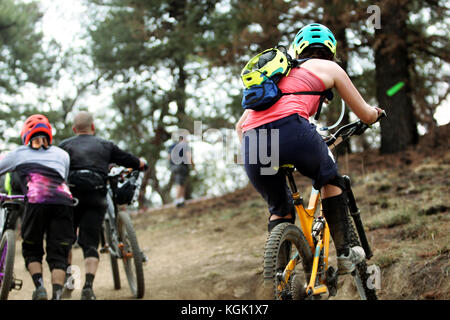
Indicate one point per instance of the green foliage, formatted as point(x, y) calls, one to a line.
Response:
point(151, 52)
point(22, 58)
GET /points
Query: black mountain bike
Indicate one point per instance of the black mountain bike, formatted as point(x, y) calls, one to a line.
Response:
point(10, 209)
point(118, 237)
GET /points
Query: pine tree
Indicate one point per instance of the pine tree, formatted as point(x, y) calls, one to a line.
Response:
point(152, 51)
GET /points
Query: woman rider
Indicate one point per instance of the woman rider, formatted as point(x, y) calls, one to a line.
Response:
point(299, 142)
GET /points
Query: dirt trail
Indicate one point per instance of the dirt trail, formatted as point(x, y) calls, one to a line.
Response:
point(205, 250)
point(191, 257)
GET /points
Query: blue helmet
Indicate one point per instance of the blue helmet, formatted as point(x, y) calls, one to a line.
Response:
point(314, 33)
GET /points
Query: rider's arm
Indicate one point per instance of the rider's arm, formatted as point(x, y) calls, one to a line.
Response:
point(333, 75)
point(125, 159)
point(240, 123)
point(189, 158)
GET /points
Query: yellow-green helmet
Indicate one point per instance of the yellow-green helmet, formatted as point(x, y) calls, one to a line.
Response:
point(264, 65)
point(314, 34)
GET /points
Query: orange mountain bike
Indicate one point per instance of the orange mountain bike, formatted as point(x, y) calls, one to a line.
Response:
point(296, 264)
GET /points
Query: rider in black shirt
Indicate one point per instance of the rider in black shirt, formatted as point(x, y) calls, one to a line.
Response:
point(90, 158)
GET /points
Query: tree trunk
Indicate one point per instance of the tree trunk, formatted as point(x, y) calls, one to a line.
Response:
point(141, 197)
point(399, 130)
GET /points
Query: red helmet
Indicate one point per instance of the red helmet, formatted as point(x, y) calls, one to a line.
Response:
point(37, 123)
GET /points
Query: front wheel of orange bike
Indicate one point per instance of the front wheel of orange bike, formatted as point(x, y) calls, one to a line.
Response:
point(361, 275)
point(284, 244)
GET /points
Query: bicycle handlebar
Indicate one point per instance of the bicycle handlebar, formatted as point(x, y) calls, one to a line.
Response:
point(353, 128)
point(115, 172)
point(122, 174)
point(5, 197)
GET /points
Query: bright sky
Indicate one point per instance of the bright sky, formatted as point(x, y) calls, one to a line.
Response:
point(62, 20)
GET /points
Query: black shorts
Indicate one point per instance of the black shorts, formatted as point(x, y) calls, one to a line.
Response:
point(180, 173)
point(55, 223)
point(88, 219)
point(298, 144)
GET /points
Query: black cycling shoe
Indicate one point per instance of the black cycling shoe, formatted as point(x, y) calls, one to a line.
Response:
point(40, 294)
point(88, 294)
point(273, 223)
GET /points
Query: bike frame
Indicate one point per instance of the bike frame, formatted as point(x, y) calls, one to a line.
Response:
point(320, 243)
point(306, 217)
point(111, 215)
point(120, 240)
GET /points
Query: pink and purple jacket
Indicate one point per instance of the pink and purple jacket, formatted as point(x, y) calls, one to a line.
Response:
point(43, 173)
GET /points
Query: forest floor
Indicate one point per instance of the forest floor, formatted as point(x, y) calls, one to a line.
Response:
point(213, 248)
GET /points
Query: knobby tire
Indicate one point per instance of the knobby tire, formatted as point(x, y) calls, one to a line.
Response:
point(280, 239)
point(8, 241)
point(369, 294)
point(133, 269)
point(113, 259)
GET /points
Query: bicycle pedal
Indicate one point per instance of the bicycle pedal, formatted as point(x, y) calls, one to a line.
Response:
point(104, 250)
point(332, 281)
point(16, 284)
point(129, 255)
point(144, 258)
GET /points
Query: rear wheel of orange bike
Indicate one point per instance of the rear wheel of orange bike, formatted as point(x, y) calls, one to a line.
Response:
point(284, 244)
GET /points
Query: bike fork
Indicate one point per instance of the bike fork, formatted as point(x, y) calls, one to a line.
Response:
point(355, 213)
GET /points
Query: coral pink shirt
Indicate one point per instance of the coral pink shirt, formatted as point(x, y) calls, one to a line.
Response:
point(299, 79)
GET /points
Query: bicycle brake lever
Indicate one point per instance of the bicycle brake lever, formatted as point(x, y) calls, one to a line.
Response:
point(360, 129)
point(383, 114)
